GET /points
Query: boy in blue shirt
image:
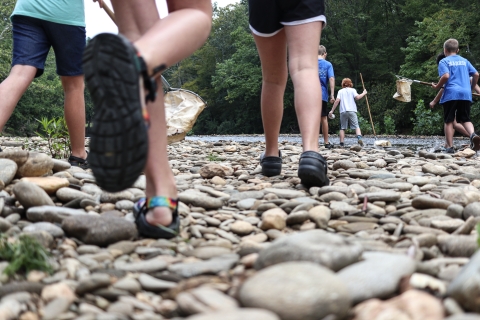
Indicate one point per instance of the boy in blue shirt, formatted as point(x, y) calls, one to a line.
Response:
point(327, 78)
point(455, 73)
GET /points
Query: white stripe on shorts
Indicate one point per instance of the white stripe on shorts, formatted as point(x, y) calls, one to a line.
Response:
point(266, 35)
point(314, 19)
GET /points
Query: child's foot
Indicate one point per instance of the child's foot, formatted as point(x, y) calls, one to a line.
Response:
point(157, 217)
point(474, 142)
point(449, 150)
point(271, 165)
point(117, 78)
point(312, 169)
point(360, 141)
point(342, 145)
point(329, 145)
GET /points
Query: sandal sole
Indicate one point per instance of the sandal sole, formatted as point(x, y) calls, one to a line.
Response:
point(119, 138)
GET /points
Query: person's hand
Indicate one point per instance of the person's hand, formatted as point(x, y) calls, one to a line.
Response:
point(332, 99)
point(100, 3)
point(365, 91)
point(432, 104)
point(434, 85)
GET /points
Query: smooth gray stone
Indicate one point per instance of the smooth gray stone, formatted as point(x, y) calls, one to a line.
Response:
point(8, 169)
point(199, 199)
point(387, 196)
point(60, 165)
point(239, 314)
point(457, 245)
point(427, 202)
point(30, 195)
point(245, 195)
point(330, 250)
point(37, 165)
point(344, 164)
point(382, 176)
point(246, 204)
point(4, 225)
point(212, 266)
point(107, 197)
point(464, 316)
point(297, 291)
point(376, 277)
point(465, 288)
point(54, 230)
point(69, 194)
point(209, 252)
point(333, 196)
point(285, 193)
point(27, 286)
point(124, 205)
point(146, 266)
point(55, 308)
point(92, 283)
point(52, 214)
point(471, 210)
point(153, 284)
point(101, 231)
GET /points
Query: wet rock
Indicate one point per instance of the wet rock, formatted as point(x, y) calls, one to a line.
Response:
point(308, 291)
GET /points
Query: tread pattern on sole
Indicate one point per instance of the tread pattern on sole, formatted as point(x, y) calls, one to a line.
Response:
point(119, 137)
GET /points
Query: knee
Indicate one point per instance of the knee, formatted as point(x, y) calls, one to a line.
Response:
point(73, 83)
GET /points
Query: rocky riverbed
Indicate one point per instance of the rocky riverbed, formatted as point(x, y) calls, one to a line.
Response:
point(392, 237)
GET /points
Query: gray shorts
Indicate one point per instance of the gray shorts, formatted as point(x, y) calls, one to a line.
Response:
point(348, 117)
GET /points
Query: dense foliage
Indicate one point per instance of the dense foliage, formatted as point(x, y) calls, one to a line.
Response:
point(377, 38)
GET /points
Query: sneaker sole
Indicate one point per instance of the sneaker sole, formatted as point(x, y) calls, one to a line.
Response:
point(311, 174)
point(476, 143)
point(119, 138)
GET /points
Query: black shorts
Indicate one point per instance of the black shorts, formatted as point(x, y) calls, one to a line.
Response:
point(267, 17)
point(456, 110)
point(324, 109)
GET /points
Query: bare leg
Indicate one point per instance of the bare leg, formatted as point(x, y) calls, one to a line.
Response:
point(358, 132)
point(449, 134)
point(460, 128)
point(302, 43)
point(12, 89)
point(74, 88)
point(469, 128)
point(164, 41)
point(324, 126)
point(342, 135)
point(273, 56)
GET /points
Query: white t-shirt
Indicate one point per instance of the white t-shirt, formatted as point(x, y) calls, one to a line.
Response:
point(347, 99)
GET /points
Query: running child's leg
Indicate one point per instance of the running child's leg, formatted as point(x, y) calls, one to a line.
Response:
point(449, 131)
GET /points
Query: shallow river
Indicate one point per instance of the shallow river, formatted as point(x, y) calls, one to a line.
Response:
point(412, 142)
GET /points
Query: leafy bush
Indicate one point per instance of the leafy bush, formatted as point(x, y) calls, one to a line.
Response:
point(55, 131)
point(389, 125)
point(426, 121)
point(365, 125)
point(23, 253)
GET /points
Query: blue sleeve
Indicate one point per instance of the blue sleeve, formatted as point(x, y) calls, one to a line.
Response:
point(330, 72)
point(443, 68)
point(471, 69)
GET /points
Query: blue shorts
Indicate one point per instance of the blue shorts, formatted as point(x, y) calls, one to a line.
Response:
point(33, 38)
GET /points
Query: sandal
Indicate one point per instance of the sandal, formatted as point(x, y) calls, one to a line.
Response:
point(119, 137)
point(78, 162)
point(312, 169)
point(271, 166)
point(148, 230)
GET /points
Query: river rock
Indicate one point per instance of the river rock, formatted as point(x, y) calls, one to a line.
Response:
point(274, 219)
point(329, 250)
point(37, 165)
point(69, 194)
point(8, 169)
point(239, 314)
point(100, 231)
point(49, 184)
point(433, 169)
point(320, 215)
point(465, 288)
point(31, 195)
point(52, 213)
point(458, 245)
point(211, 170)
point(344, 164)
point(308, 291)
point(199, 199)
point(378, 276)
point(212, 266)
point(427, 202)
point(471, 210)
point(241, 228)
point(153, 284)
point(54, 230)
point(60, 165)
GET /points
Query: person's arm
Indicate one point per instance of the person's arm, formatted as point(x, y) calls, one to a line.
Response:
point(437, 98)
point(100, 3)
point(335, 104)
point(442, 81)
point(360, 96)
point(332, 89)
point(477, 88)
point(474, 81)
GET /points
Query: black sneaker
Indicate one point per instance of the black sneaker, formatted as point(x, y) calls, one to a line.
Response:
point(329, 145)
point(474, 142)
point(449, 150)
point(271, 166)
point(342, 144)
point(312, 170)
point(78, 162)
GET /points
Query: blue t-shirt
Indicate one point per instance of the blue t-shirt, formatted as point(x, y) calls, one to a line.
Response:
point(458, 85)
point(70, 12)
point(325, 72)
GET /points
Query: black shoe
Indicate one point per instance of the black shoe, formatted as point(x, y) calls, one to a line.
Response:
point(449, 150)
point(329, 145)
point(119, 137)
point(271, 166)
point(342, 144)
point(312, 169)
point(78, 162)
point(474, 142)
